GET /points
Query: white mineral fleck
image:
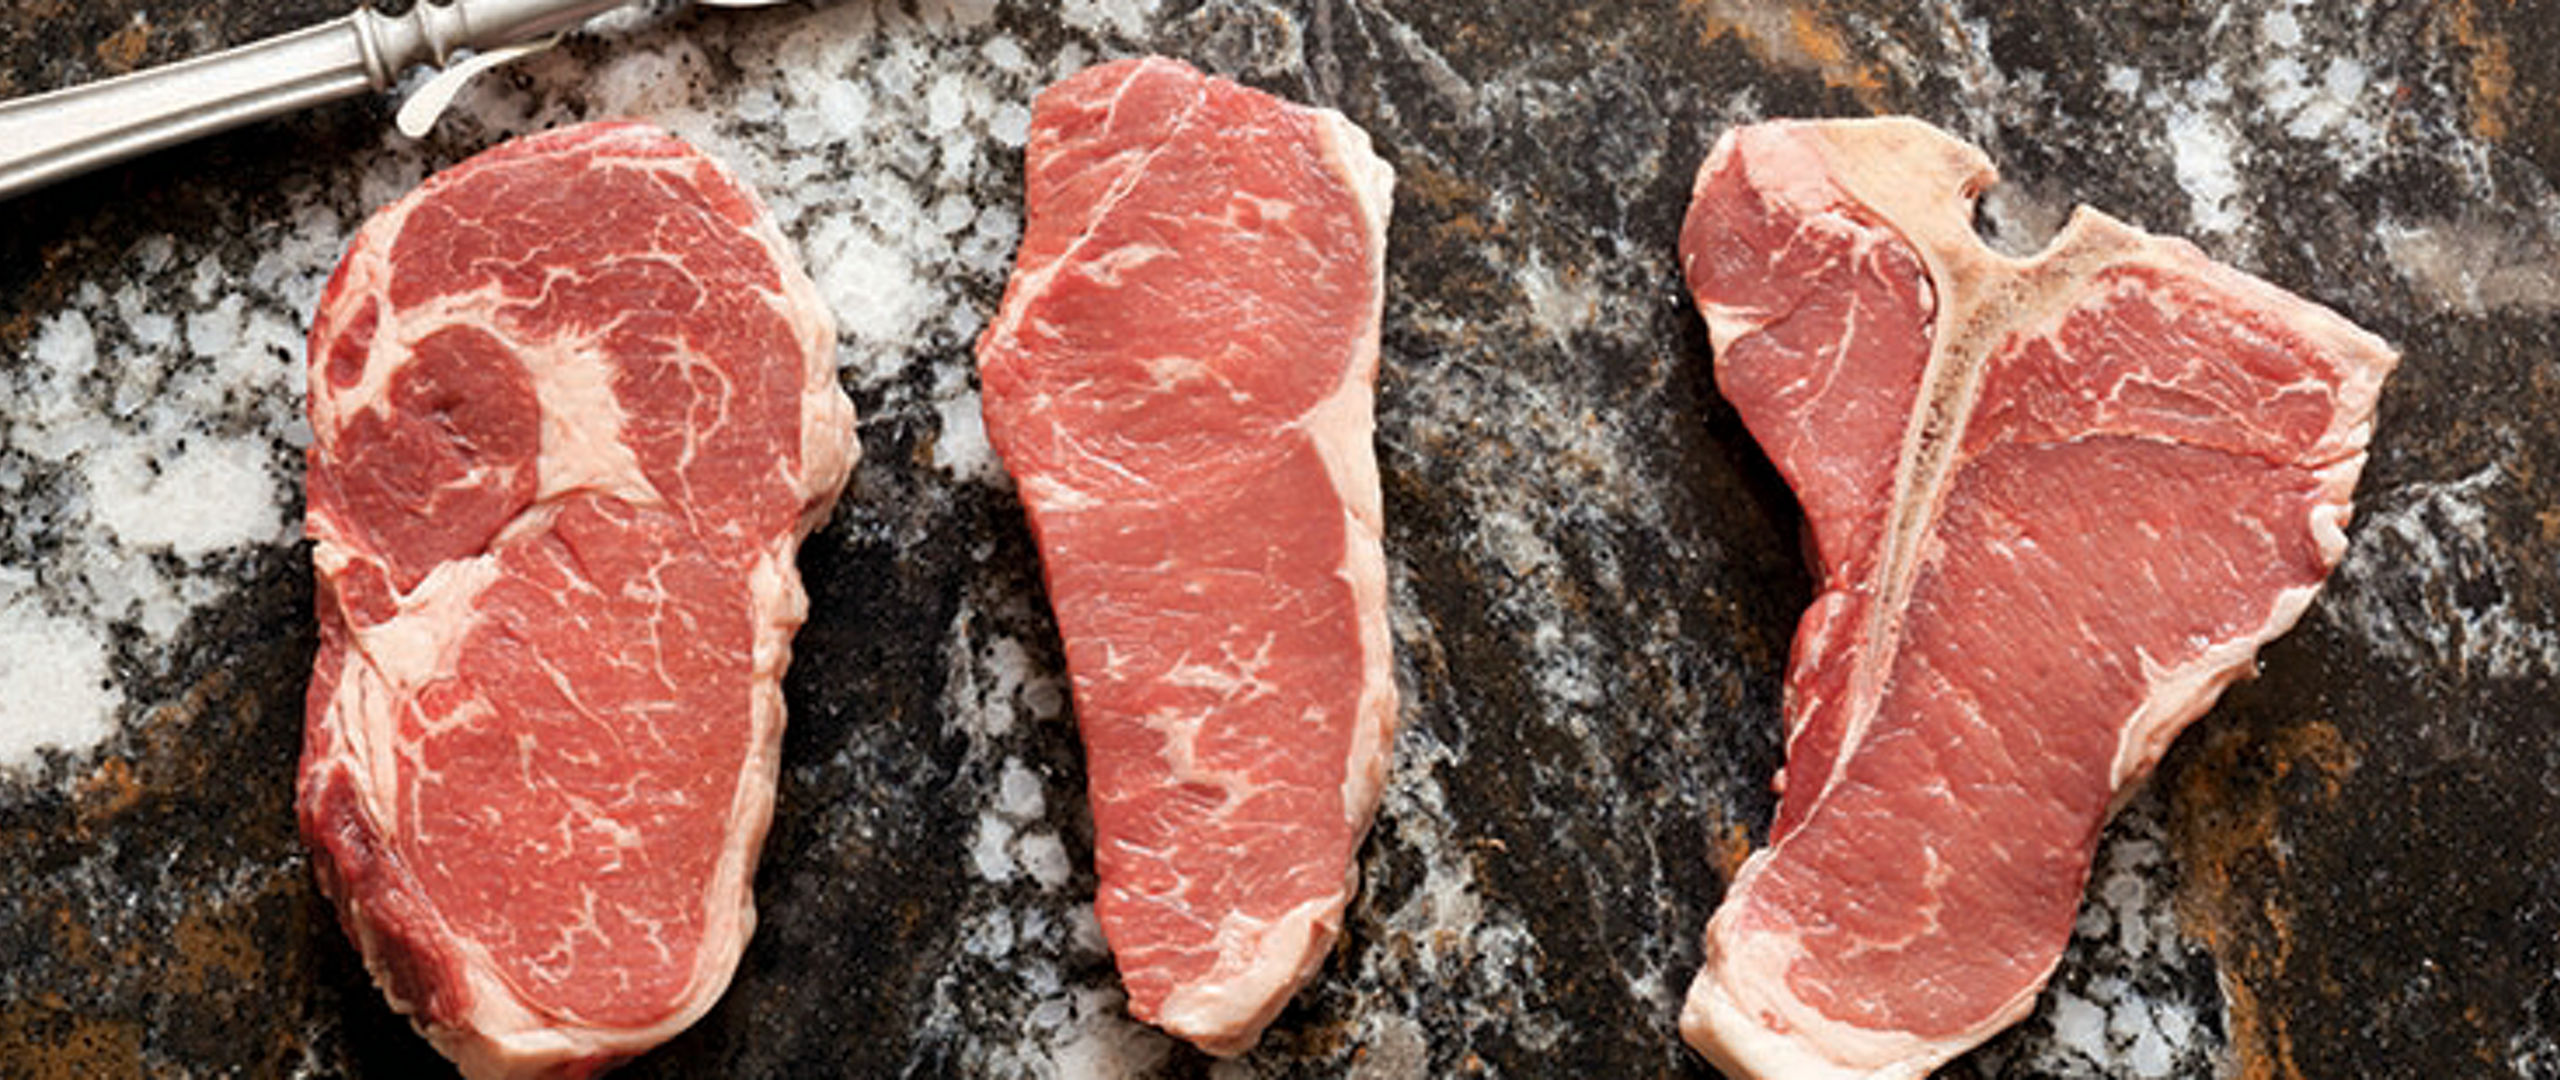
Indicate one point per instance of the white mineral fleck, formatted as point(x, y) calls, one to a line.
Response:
point(874, 288)
point(204, 496)
point(2201, 147)
point(2177, 1024)
point(1044, 857)
point(990, 934)
point(2079, 1025)
point(2473, 266)
point(987, 849)
point(962, 449)
point(2431, 540)
point(1018, 793)
point(66, 345)
point(2281, 29)
point(946, 105)
point(54, 689)
point(1126, 17)
point(2150, 1055)
point(1103, 1044)
point(1559, 303)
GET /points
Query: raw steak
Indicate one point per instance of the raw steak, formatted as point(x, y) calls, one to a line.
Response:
point(573, 407)
point(2058, 503)
point(1180, 383)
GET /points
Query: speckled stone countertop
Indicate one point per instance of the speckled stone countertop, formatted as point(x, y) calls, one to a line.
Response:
point(2351, 867)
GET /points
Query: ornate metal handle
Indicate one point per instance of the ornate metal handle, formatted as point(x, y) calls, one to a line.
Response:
point(50, 136)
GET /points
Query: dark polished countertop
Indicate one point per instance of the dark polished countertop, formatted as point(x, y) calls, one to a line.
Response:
point(2351, 867)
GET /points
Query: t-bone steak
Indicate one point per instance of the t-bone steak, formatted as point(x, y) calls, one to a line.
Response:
point(2057, 503)
point(1180, 382)
point(573, 407)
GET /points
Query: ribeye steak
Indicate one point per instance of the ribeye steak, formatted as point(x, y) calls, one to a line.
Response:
point(2058, 503)
point(573, 408)
point(1180, 383)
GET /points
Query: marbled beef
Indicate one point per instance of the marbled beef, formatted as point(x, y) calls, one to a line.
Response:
point(573, 407)
point(2058, 504)
point(1180, 384)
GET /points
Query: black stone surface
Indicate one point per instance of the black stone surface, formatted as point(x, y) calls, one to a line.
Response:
point(2351, 867)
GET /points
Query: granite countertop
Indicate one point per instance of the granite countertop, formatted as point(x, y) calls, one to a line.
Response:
point(2351, 867)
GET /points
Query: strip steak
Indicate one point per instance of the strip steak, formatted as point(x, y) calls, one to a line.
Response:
point(1180, 383)
point(573, 407)
point(2058, 504)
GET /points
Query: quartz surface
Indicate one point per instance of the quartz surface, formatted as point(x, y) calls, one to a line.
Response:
point(2351, 867)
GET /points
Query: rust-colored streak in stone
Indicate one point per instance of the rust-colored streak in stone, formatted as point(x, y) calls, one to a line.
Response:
point(108, 790)
point(1795, 37)
point(2493, 74)
point(2224, 828)
point(101, 958)
point(168, 758)
point(1818, 43)
point(1459, 201)
point(215, 941)
point(49, 1043)
point(1730, 845)
point(124, 48)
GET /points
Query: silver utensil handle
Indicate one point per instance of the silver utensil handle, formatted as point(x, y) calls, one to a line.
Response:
point(50, 136)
